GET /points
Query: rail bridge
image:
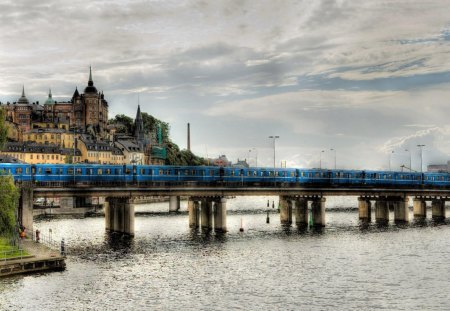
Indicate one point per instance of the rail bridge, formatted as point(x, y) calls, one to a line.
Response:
point(207, 205)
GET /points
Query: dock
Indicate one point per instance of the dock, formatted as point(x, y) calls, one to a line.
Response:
point(40, 258)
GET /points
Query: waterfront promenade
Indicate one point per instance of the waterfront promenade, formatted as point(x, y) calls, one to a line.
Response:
point(39, 258)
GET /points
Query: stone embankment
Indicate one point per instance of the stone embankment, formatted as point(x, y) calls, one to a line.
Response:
point(40, 258)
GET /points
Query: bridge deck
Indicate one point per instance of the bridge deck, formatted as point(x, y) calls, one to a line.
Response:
point(238, 191)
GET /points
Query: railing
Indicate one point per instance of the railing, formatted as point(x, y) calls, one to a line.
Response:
point(11, 252)
point(48, 241)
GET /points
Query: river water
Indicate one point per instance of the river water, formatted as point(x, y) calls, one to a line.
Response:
point(168, 266)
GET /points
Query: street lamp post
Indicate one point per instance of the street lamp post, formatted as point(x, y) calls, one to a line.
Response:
point(320, 156)
point(256, 155)
point(421, 151)
point(332, 149)
point(274, 163)
point(390, 158)
point(407, 150)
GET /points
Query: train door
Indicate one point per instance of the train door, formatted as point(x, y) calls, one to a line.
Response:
point(33, 173)
point(134, 174)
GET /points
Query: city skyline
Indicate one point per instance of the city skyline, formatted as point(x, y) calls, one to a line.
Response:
point(362, 79)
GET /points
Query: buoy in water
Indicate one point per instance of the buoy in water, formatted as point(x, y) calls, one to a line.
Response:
point(268, 203)
point(267, 218)
point(273, 204)
point(241, 229)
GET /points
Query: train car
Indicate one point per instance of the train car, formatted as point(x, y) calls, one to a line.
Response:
point(392, 178)
point(21, 172)
point(314, 176)
point(436, 179)
point(347, 177)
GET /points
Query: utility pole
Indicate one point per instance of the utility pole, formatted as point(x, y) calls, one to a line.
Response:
point(421, 151)
point(274, 163)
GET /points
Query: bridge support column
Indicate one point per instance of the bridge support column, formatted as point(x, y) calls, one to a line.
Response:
point(419, 208)
point(381, 211)
point(220, 215)
point(301, 212)
point(438, 209)
point(401, 211)
point(174, 203)
point(365, 209)
point(285, 210)
point(119, 216)
point(26, 209)
point(318, 212)
point(194, 213)
point(206, 217)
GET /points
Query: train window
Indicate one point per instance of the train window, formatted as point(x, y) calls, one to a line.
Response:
point(142, 171)
point(232, 172)
point(69, 171)
point(60, 171)
point(89, 171)
point(167, 172)
point(160, 172)
point(27, 170)
point(255, 173)
point(19, 170)
point(127, 171)
point(9, 171)
point(203, 172)
point(48, 171)
point(108, 171)
point(39, 170)
point(186, 172)
point(249, 173)
point(193, 172)
point(292, 174)
point(78, 171)
point(100, 172)
point(117, 171)
point(211, 173)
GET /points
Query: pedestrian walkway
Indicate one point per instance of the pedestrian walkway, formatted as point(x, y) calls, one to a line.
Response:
point(40, 258)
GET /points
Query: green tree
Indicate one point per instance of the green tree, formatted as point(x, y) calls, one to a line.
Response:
point(125, 124)
point(3, 128)
point(9, 194)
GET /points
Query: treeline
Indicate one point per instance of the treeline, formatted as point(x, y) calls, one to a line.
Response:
point(175, 156)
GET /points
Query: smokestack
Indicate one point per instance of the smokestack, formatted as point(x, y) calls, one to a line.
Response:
point(188, 137)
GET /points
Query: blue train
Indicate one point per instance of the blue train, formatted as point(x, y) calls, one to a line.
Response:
point(93, 174)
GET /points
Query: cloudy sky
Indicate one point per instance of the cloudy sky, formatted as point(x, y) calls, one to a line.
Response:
point(364, 78)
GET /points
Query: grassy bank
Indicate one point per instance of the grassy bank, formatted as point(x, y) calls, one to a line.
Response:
point(7, 251)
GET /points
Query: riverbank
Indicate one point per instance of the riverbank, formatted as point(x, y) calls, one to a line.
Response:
point(35, 258)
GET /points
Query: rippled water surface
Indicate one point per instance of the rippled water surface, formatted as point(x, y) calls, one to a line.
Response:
point(268, 267)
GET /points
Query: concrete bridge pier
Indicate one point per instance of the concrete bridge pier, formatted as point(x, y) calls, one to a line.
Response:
point(119, 216)
point(365, 209)
point(174, 203)
point(194, 213)
point(206, 214)
point(419, 208)
point(220, 215)
point(438, 209)
point(301, 212)
point(25, 212)
point(381, 211)
point(318, 211)
point(285, 210)
point(401, 210)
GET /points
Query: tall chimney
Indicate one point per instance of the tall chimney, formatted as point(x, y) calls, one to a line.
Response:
point(189, 137)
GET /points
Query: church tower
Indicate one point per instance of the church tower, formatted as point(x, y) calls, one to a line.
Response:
point(139, 127)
